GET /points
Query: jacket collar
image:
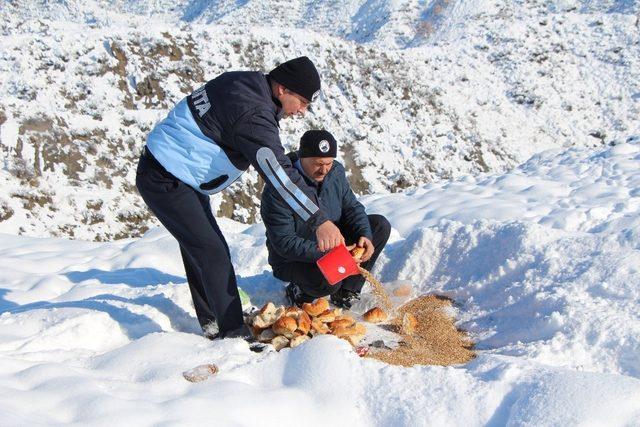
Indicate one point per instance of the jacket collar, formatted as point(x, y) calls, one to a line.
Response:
point(295, 161)
point(298, 166)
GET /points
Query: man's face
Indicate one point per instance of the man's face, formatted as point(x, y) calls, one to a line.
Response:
point(292, 103)
point(316, 167)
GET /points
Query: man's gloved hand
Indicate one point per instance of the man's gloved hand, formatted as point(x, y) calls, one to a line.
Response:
point(328, 236)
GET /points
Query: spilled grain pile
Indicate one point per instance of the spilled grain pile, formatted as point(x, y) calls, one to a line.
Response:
point(429, 336)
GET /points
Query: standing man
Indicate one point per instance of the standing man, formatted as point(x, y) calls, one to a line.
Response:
point(292, 245)
point(203, 145)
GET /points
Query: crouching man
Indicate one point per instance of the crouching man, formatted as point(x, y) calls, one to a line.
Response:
point(293, 249)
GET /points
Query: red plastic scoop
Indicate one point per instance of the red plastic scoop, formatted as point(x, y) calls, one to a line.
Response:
point(337, 265)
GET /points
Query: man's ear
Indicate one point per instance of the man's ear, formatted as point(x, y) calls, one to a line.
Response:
point(279, 89)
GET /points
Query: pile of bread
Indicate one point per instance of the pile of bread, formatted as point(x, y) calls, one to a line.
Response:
point(291, 326)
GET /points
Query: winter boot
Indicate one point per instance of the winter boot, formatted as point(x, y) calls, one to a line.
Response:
point(344, 298)
point(295, 295)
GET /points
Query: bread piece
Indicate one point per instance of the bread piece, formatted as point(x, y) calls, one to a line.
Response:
point(292, 312)
point(318, 327)
point(345, 317)
point(327, 316)
point(280, 312)
point(285, 326)
point(402, 291)
point(268, 308)
point(304, 323)
point(342, 331)
point(267, 335)
point(315, 308)
point(266, 316)
point(260, 322)
point(280, 342)
point(357, 252)
point(409, 324)
point(342, 323)
point(200, 373)
point(375, 315)
point(298, 340)
point(360, 329)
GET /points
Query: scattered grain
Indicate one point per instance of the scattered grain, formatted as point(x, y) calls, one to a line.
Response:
point(434, 339)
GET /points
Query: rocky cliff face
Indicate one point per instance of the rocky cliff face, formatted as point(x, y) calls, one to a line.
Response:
point(417, 98)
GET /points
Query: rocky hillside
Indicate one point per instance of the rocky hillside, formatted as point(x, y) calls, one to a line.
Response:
point(414, 93)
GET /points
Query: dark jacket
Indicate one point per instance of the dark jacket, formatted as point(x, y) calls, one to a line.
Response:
point(212, 136)
point(291, 240)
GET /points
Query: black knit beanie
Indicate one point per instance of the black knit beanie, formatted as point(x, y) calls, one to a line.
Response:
point(298, 75)
point(318, 143)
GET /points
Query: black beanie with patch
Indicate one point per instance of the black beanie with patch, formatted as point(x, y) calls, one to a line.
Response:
point(299, 75)
point(318, 143)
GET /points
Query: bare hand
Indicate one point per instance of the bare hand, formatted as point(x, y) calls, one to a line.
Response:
point(365, 243)
point(328, 236)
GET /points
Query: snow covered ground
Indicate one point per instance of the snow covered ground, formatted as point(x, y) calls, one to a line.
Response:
point(543, 260)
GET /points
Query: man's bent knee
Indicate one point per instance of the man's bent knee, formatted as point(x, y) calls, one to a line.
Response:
point(381, 223)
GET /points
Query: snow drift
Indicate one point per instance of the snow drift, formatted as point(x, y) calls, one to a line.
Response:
point(541, 260)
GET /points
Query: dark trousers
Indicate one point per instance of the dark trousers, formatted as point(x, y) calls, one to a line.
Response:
point(187, 215)
point(310, 279)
